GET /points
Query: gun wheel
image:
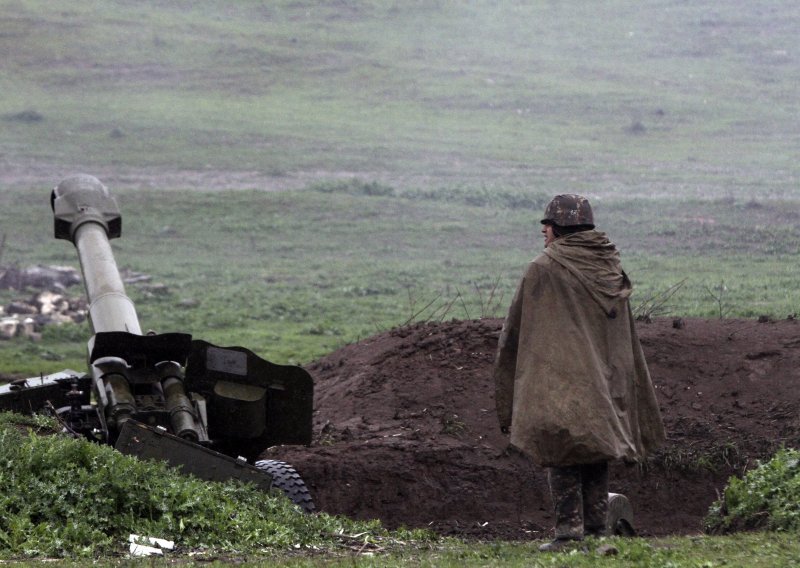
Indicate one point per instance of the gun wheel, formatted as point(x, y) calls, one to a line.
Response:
point(620, 515)
point(285, 478)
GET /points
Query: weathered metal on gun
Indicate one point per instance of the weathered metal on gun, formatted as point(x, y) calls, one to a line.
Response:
point(223, 405)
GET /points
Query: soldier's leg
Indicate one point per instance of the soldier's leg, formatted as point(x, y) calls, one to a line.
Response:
point(595, 498)
point(565, 489)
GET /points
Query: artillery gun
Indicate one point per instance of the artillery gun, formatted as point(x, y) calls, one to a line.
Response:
point(205, 409)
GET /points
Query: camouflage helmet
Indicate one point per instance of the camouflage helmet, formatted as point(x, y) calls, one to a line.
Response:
point(569, 210)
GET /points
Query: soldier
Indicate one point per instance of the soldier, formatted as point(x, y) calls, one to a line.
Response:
point(572, 385)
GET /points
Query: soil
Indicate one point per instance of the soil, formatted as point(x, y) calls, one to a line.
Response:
point(406, 430)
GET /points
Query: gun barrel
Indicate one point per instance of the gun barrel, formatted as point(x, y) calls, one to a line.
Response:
point(86, 214)
point(110, 309)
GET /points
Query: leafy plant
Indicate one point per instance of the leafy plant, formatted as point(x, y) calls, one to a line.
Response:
point(767, 497)
point(70, 498)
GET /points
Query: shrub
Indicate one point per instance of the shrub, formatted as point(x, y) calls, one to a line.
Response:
point(767, 498)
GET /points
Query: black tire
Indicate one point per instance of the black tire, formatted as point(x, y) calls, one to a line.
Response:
point(285, 478)
point(620, 515)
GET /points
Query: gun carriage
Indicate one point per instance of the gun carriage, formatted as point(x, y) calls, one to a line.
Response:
point(206, 409)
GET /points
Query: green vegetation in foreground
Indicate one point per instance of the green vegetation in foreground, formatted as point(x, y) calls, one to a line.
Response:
point(72, 498)
point(295, 275)
point(744, 551)
point(767, 497)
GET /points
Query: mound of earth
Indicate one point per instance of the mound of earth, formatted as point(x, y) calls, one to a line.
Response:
point(406, 430)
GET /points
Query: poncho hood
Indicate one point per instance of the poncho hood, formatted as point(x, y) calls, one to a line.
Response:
point(594, 260)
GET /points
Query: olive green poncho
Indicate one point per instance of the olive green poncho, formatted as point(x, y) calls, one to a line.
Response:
point(570, 375)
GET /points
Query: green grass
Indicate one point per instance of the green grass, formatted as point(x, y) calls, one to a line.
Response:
point(744, 551)
point(73, 498)
point(766, 497)
point(520, 94)
point(296, 275)
point(422, 139)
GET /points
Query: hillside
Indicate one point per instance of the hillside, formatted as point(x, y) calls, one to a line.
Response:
point(661, 99)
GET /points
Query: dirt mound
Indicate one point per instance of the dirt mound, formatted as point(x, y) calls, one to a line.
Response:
point(406, 430)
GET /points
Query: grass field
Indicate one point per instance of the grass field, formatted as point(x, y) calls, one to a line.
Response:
point(302, 175)
point(294, 275)
point(662, 98)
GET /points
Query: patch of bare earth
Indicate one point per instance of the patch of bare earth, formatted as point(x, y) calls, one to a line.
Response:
point(406, 430)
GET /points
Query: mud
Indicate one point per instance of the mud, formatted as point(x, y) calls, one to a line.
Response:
point(405, 428)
